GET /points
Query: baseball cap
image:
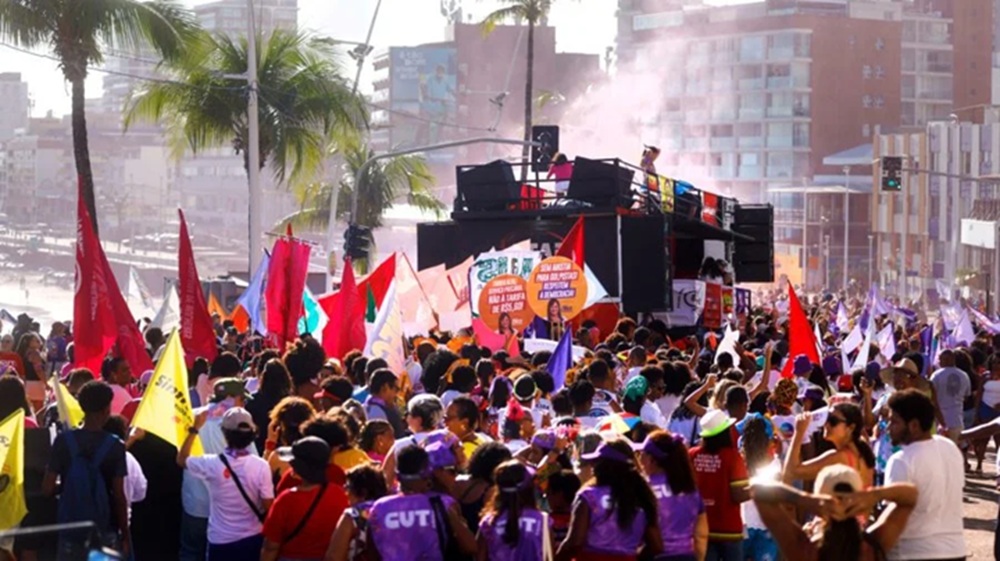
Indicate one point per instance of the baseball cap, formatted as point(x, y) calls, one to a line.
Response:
point(606, 452)
point(237, 418)
point(228, 387)
point(837, 475)
point(308, 456)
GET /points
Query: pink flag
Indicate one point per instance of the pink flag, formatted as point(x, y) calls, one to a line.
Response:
point(415, 307)
point(487, 337)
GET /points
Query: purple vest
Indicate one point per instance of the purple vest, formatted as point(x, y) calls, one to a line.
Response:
point(404, 528)
point(604, 534)
point(678, 515)
point(529, 543)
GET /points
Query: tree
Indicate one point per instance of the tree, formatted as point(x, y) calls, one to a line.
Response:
point(532, 12)
point(77, 31)
point(385, 182)
point(304, 101)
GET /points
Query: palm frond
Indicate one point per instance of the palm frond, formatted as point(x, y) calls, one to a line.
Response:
point(502, 15)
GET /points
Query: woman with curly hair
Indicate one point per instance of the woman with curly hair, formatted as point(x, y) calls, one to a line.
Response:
point(284, 429)
point(616, 513)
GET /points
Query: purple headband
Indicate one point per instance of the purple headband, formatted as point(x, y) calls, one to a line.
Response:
point(528, 481)
point(649, 447)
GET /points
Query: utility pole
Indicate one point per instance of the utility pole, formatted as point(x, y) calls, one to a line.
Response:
point(253, 149)
point(847, 221)
point(362, 51)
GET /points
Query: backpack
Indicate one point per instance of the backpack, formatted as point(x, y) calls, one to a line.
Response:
point(84, 495)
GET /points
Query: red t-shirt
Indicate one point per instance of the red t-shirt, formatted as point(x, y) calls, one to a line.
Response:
point(10, 361)
point(717, 474)
point(334, 474)
point(288, 510)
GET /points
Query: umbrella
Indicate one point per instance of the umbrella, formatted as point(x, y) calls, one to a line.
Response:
point(619, 423)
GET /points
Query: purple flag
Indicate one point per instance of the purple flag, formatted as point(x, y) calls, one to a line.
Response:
point(561, 360)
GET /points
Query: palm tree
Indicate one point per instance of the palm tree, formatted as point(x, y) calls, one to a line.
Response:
point(385, 182)
point(304, 101)
point(77, 31)
point(532, 12)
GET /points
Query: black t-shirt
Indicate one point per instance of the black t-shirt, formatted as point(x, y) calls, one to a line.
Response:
point(88, 441)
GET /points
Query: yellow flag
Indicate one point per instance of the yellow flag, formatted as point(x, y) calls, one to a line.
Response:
point(69, 409)
point(12, 507)
point(165, 409)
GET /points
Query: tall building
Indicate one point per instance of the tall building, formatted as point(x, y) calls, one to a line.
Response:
point(15, 105)
point(471, 85)
point(922, 233)
point(230, 16)
point(778, 101)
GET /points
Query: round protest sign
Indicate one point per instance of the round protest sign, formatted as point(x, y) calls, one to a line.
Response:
point(503, 304)
point(557, 281)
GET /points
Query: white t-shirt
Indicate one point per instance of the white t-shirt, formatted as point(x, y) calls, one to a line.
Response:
point(668, 404)
point(230, 518)
point(448, 396)
point(934, 530)
point(651, 414)
point(135, 482)
point(751, 516)
point(991, 392)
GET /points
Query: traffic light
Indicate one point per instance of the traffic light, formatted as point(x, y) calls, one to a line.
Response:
point(892, 173)
point(357, 241)
point(541, 156)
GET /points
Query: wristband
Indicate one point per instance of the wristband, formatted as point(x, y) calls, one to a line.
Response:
point(270, 445)
point(192, 430)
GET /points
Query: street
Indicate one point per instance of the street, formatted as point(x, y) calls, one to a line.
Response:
point(981, 510)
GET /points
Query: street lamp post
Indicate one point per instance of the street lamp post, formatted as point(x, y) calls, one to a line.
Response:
point(871, 258)
point(847, 220)
point(826, 260)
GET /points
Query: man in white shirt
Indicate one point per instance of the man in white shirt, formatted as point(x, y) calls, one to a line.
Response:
point(935, 465)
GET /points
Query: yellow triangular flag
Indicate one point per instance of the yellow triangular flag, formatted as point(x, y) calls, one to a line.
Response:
point(165, 409)
point(69, 408)
point(12, 506)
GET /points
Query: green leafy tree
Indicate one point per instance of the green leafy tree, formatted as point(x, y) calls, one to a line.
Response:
point(401, 178)
point(305, 102)
point(77, 32)
point(532, 12)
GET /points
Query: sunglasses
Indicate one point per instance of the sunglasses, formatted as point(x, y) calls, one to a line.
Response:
point(834, 421)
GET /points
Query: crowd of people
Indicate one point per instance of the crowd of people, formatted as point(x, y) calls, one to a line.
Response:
point(657, 446)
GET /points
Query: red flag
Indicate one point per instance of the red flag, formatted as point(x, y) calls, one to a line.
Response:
point(572, 245)
point(801, 340)
point(286, 281)
point(379, 280)
point(197, 332)
point(345, 330)
point(93, 316)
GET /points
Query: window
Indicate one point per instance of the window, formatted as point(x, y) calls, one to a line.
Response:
point(866, 72)
point(866, 130)
point(880, 44)
point(752, 48)
point(866, 101)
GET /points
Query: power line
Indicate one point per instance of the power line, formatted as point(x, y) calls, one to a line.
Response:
point(426, 120)
point(124, 74)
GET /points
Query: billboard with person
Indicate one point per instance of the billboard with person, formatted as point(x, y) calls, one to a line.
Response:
point(423, 89)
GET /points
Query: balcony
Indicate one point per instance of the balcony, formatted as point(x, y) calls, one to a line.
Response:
point(751, 84)
point(779, 82)
point(748, 114)
point(785, 111)
point(750, 142)
point(750, 172)
point(779, 142)
point(722, 142)
point(789, 216)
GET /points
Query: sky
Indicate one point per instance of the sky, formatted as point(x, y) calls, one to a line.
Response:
point(586, 26)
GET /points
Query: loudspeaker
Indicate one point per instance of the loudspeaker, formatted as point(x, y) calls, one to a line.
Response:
point(487, 187)
point(436, 244)
point(753, 261)
point(601, 184)
point(646, 280)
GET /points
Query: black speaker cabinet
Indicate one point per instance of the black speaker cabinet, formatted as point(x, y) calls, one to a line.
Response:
point(753, 261)
point(601, 184)
point(487, 187)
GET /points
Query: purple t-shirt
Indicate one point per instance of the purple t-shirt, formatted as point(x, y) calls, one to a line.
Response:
point(678, 515)
point(404, 527)
point(529, 543)
point(604, 534)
